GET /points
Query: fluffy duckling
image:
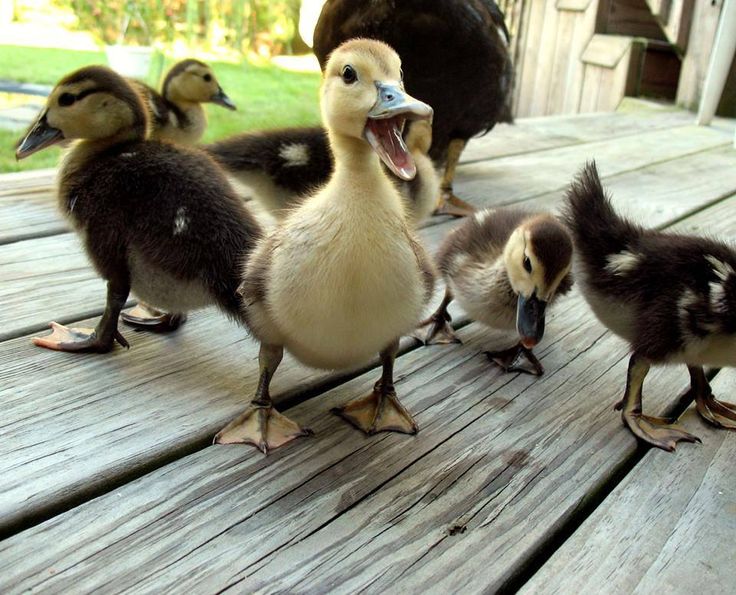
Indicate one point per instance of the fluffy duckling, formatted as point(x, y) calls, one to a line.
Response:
point(177, 114)
point(342, 277)
point(283, 167)
point(181, 255)
point(504, 266)
point(671, 296)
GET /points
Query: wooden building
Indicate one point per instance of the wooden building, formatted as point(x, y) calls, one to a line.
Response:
point(585, 55)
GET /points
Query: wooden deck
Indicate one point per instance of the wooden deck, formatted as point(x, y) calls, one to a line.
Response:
point(108, 480)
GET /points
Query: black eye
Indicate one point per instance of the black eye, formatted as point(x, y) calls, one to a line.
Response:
point(349, 76)
point(527, 264)
point(207, 77)
point(66, 99)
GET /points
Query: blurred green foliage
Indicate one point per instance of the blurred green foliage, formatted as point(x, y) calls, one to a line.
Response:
point(267, 26)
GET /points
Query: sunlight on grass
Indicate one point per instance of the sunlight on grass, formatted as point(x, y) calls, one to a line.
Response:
point(267, 96)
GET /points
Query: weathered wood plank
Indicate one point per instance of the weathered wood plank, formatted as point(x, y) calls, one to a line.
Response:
point(667, 527)
point(506, 457)
point(500, 181)
point(189, 521)
point(46, 279)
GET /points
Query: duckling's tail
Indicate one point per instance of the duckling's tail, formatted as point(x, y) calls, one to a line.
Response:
point(597, 229)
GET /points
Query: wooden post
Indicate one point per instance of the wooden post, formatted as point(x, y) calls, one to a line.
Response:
point(724, 49)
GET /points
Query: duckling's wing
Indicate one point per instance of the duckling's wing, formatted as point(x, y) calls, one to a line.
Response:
point(297, 160)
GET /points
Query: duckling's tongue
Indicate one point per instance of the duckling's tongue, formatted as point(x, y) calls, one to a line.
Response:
point(384, 135)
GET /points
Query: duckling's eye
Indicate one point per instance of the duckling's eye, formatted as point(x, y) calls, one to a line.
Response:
point(349, 76)
point(66, 99)
point(207, 78)
point(527, 264)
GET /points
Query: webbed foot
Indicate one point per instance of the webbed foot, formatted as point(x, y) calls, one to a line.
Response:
point(379, 411)
point(718, 413)
point(450, 204)
point(63, 338)
point(656, 431)
point(263, 427)
point(517, 359)
point(436, 330)
point(145, 317)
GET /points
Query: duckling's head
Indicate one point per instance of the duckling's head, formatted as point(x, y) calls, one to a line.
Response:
point(192, 81)
point(93, 103)
point(363, 97)
point(537, 256)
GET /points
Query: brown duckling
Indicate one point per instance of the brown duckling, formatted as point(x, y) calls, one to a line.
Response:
point(504, 266)
point(285, 166)
point(671, 296)
point(177, 114)
point(183, 254)
point(342, 277)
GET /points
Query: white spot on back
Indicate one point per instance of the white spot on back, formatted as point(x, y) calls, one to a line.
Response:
point(482, 216)
point(181, 221)
point(295, 154)
point(622, 262)
point(717, 297)
point(720, 268)
point(126, 155)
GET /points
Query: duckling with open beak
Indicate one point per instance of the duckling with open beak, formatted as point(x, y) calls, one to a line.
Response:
point(342, 277)
point(504, 266)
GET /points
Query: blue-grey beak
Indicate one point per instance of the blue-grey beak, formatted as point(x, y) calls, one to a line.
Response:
point(221, 99)
point(530, 319)
point(385, 123)
point(394, 101)
point(40, 136)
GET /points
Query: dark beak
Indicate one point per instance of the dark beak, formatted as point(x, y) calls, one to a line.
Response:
point(530, 320)
point(40, 136)
point(394, 101)
point(221, 99)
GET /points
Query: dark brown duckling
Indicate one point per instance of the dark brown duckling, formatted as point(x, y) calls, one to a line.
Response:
point(504, 266)
point(177, 114)
point(671, 296)
point(156, 219)
point(285, 166)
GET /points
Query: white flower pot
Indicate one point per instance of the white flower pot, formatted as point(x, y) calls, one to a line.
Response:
point(129, 60)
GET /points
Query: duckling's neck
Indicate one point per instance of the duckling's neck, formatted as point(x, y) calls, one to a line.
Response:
point(358, 166)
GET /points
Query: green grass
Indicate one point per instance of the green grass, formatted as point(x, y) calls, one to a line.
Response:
point(266, 96)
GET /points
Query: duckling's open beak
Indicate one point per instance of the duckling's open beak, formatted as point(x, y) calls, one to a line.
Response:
point(221, 99)
point(386, 123)
point(530, 319)
point(40, 136)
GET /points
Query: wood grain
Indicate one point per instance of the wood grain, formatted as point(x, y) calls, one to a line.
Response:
point(667, 527)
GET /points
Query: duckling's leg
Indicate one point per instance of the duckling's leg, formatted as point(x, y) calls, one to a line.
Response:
point(448, 203)
point(653, 430)
point(719, 413)
point(148, 318)
point(438, 329)
point(100, 339)
point(517, 359)
point(381, 410)
point(260, 424)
